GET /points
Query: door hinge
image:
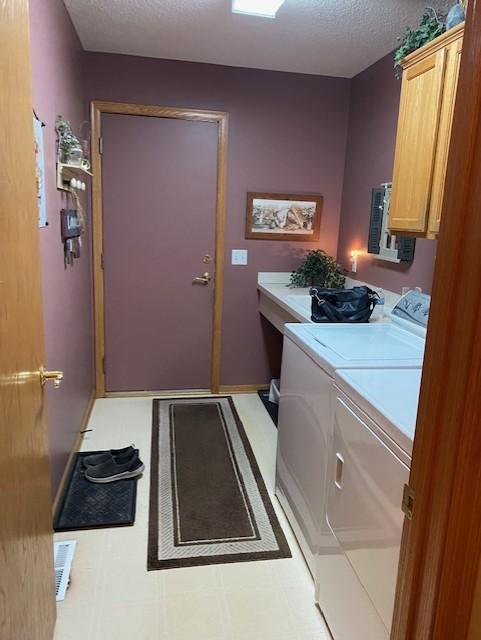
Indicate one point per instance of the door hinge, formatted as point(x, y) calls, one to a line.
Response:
point(102, 261)
point(104, 369)
point(408, 502)
point(101, 145)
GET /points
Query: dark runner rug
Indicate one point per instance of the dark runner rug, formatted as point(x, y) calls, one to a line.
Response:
point(86, 505)
point(208, 501)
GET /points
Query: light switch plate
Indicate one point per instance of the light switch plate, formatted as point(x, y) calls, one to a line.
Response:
point(239, 256)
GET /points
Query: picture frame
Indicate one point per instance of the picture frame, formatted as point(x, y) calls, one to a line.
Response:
point(282, 216)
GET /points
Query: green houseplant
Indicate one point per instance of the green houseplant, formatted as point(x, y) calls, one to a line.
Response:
point(318, 269)
point(430, 27)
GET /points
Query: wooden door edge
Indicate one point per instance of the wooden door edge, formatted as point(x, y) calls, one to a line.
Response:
point(221, 199)
point(27, 577)
point(441, 546)
point(201, 115)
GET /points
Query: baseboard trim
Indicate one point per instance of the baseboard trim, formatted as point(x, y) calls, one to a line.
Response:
point(236, 388)
point(242, 388)
point(73, 451)
point(155, 394)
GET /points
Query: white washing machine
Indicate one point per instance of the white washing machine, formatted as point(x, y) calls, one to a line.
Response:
point(312, 354)
point(374, 417)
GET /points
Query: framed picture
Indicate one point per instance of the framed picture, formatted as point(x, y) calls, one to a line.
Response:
point(280, 216)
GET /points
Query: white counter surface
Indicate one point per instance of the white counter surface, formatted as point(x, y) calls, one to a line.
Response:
point(296, 302)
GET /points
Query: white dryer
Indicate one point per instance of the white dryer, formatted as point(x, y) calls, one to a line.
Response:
point(373, 429)
point(312, 354)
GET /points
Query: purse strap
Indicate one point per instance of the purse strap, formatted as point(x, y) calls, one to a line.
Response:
point(330, 310)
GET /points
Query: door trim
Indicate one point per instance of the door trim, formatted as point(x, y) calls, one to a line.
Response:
point(222, 120)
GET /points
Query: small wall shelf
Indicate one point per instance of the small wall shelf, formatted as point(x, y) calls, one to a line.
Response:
point(65, 172)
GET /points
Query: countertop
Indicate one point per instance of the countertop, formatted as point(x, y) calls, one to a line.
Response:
point(297, 301)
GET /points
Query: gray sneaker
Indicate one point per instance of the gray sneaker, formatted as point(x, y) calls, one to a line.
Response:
point(120, 455)
point(111, 471)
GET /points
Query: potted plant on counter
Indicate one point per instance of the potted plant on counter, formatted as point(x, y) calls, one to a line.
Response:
point(318, 269)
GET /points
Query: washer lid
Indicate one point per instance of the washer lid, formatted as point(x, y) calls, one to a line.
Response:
point(388, 396)
point(369, 342)
point(341, 346)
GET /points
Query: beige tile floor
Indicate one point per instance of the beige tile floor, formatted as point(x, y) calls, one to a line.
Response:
point(113, 597)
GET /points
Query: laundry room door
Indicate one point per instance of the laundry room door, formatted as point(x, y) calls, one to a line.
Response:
point(27, 577)
point(159, 207)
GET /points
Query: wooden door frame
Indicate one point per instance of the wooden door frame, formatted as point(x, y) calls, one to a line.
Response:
point(198, 115)
point(441, 545)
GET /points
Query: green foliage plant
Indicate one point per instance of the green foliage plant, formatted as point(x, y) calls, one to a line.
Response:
point(318, 269)
point(430, 27)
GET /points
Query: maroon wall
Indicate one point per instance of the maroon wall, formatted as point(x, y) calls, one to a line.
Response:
point(373, 116)
point(57, 69)
point(287, 133)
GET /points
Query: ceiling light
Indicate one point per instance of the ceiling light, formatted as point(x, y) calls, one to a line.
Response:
point(262, 8)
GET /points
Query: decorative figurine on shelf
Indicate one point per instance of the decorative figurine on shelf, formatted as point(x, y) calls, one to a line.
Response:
point(455, 15)
point(84, 135)
point(69, 148)
point(72, 219)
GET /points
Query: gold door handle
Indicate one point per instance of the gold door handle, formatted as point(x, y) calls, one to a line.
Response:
point(204, 279)
point(45, 376)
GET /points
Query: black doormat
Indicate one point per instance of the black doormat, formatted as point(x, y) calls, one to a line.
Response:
point(86, 505)
point(271, 407)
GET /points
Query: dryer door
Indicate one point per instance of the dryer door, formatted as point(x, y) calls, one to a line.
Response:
point(305, 425)
point(364, 503)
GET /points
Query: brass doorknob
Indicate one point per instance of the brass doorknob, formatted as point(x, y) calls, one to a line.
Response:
point(56, 376)
point(204, 279)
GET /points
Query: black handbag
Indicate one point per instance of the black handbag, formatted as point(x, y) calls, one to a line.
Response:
point(342, 305)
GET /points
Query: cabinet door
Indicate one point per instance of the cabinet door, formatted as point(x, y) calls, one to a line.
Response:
point(418, 124)
point(453, 59)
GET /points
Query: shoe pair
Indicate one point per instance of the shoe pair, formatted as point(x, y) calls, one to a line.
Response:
point(116, 464)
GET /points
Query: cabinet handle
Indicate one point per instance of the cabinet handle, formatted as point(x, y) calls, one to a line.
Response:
point(339, 470)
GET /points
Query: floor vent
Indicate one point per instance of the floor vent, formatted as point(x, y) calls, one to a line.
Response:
point(63, 555)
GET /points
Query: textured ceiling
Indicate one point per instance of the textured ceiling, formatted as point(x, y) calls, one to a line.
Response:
point(326, 37)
